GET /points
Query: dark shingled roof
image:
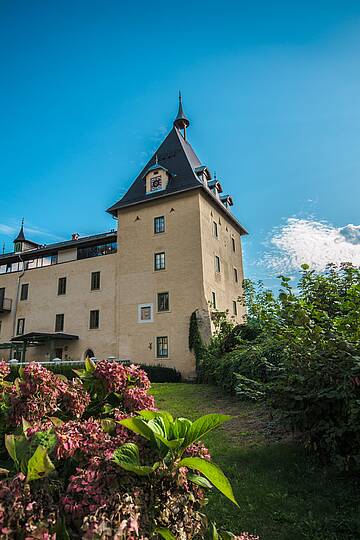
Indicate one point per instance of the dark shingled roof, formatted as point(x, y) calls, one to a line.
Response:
point(174, 154)
point(177, 156)
point(21, 236)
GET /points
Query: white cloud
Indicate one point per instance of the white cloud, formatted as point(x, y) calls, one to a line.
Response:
point(316, 243)
point(6, 229)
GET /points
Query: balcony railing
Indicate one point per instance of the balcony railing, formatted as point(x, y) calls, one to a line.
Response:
point(5, 305)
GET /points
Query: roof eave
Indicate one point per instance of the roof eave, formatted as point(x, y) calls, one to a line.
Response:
point(114, 209)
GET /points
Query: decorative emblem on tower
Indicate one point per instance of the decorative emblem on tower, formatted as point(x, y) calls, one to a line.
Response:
point(156, 178)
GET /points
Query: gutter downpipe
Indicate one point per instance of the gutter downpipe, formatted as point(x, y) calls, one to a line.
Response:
point(17, 295)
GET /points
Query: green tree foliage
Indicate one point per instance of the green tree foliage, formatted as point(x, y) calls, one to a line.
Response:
point(300, 350)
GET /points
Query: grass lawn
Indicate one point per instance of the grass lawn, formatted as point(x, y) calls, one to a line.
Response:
point(283, 493)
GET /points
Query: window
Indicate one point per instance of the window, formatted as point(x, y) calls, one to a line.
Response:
point(20, 328)
point(162, 347)
point(62, 286)
point(24, 291)
point(236, 278)
point(213, 300)
point(163, 301)
point(97, 251)
point(159, 225)
point(215, 229)
point(217, 264)
point(233, 243)
point(159, 261)
point(234, 307)
point(94, 319)
point(145, 313)
point(59, 322)
point(95, 281)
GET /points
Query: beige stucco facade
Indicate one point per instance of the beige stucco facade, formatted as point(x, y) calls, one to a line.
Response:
point(128, 279)
point(43, 303)
point(189, 276)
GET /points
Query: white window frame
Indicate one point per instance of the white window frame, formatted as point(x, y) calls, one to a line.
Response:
point(140, 307)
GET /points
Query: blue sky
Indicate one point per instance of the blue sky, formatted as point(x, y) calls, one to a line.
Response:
point(88, 89)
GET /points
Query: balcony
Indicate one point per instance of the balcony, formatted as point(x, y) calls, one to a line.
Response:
point(5, 305)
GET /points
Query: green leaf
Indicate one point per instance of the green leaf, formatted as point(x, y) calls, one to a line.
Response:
point(108, 424)
point(11, 447)
point(173, 444)
point(204, 425)
point(56, 421)
point(150, 415)
point(90, 366)
point(39, 465)
point(180, 427)
point(213, 532)
point(165, 533)
point(127, 457)
point(25, 426)
point(199, 480)
point(61, 530)
point(137, 425)
point(212, 473)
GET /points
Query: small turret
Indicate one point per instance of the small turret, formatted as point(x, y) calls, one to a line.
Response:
point(181, 122)
point(20, 242)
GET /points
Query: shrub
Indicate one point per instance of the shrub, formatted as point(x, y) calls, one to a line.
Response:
point(300, 350)
point(92, 458)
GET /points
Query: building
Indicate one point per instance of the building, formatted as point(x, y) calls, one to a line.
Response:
point(129, 293)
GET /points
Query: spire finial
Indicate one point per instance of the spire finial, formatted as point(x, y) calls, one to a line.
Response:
point(21, 237)
point(181, 122)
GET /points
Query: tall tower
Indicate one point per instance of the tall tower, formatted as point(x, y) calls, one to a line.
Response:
point(179, 252)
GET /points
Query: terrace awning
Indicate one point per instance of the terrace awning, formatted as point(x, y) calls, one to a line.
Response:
point(43, 337)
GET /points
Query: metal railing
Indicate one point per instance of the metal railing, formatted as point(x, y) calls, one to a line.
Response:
point(64, 363)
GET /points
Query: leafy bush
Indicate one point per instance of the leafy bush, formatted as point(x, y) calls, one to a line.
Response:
point(303, 358)
point(92, 458)
point(156, 373)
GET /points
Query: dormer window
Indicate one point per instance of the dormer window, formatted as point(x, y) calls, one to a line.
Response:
point(203, 174)
point(215, 187)
point(156, 179)
point(227, 201)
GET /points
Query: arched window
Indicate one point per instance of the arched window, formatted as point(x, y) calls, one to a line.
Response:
point(89, 353)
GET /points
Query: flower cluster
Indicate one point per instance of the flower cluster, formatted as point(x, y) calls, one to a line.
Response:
point(33, 513)
point(198, 450)
point(89, 438)
point(117, 377)
point(41, 393)
point(4, 369)
point(137, 399)
point(89, 488)
point(74, 400)
point(246, 536)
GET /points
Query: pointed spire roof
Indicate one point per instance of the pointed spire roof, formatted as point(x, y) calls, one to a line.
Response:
point(177, 157)
point(181, 121)
point(181, 163)
point(21, 236)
